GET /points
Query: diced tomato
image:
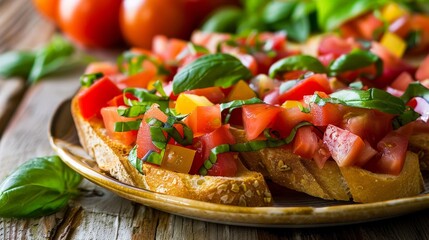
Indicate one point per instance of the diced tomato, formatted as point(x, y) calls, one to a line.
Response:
point(209, 40)
point(401, 26)
point(316, 82)
point(393, 149)
point(274, 41)
point(336, 46)
point(293, 75)
point(119, 100)
point(248, 61)
point(144, 140)
point(258, 117)
point(139, 80)
point(402, 81)
point(107, 68)
point(363, 26)
point(326, 114)
point(344, 146)
point(204, 119)
point(272, 97)
point(110, 117)
point(92, 99)
point(206, 143)
point(422, 72)
point(305, 142)
point(420, 22)
point(168, 48)
point(309, 146)
point(392, 66)
point(226, 165)
point(288, 118)
point(370, 125)
point(213, 94)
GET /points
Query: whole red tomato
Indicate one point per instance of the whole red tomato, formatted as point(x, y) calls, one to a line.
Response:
point(91, 23)
point(141, 20)
point(48, 8)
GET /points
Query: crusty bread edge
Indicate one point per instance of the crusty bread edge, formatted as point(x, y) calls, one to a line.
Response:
point(248, 188)
point(285, 168)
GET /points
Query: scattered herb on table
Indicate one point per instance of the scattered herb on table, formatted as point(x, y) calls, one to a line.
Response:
point(39, 187)
point(57, 56)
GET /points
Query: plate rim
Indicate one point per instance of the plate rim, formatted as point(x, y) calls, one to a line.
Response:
point(274, 216)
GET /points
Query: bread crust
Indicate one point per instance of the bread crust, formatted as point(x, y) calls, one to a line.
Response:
point(332, 182)
point(248, 188)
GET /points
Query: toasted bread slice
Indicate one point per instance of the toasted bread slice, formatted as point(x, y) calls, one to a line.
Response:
point(419, 143)
point(248, 188)
point(331, 182)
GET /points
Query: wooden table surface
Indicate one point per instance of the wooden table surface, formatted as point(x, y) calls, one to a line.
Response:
point(25, 112)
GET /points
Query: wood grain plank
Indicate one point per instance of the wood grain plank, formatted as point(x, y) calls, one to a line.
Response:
point(11, 91)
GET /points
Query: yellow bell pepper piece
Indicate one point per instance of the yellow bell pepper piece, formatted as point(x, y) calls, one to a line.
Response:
point(392, 11)
point(186, 103)
point(291, 104)
point(240, 91)
point(178, 159)
point(394, 44)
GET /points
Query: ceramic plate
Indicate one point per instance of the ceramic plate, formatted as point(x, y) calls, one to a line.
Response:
point(291, 209)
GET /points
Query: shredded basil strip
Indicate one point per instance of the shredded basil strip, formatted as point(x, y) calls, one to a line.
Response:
point(127, 126)
point(298, 62)
point(249, 147)
point(135, 161)
point(134, 111)
point(219, 69)
point(355, 60)
point(237, 104)
point(372, 98)
point(156, 133)
point(208, 164)
point(154, 157)
point(157, 129)
point(146, 98)
point(87, 80)
point(159, 88)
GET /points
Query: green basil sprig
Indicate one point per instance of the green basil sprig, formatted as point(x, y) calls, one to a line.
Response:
point(146, 98)
point(298, 62)
point(354, 60)
point(332, 13)
point(57, 56)
point(16, 63)
point(217, 69)
point(372, 98)
point(39, 187)
point(223, 20)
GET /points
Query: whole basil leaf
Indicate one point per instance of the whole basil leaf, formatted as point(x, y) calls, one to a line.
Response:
point(210, 70)
point(223, 20)
point(37, 188)
point(372, 98)
point(333, 13)
point(278, 11)
point(298, 62)
point(355, 60)
point(17, 63)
